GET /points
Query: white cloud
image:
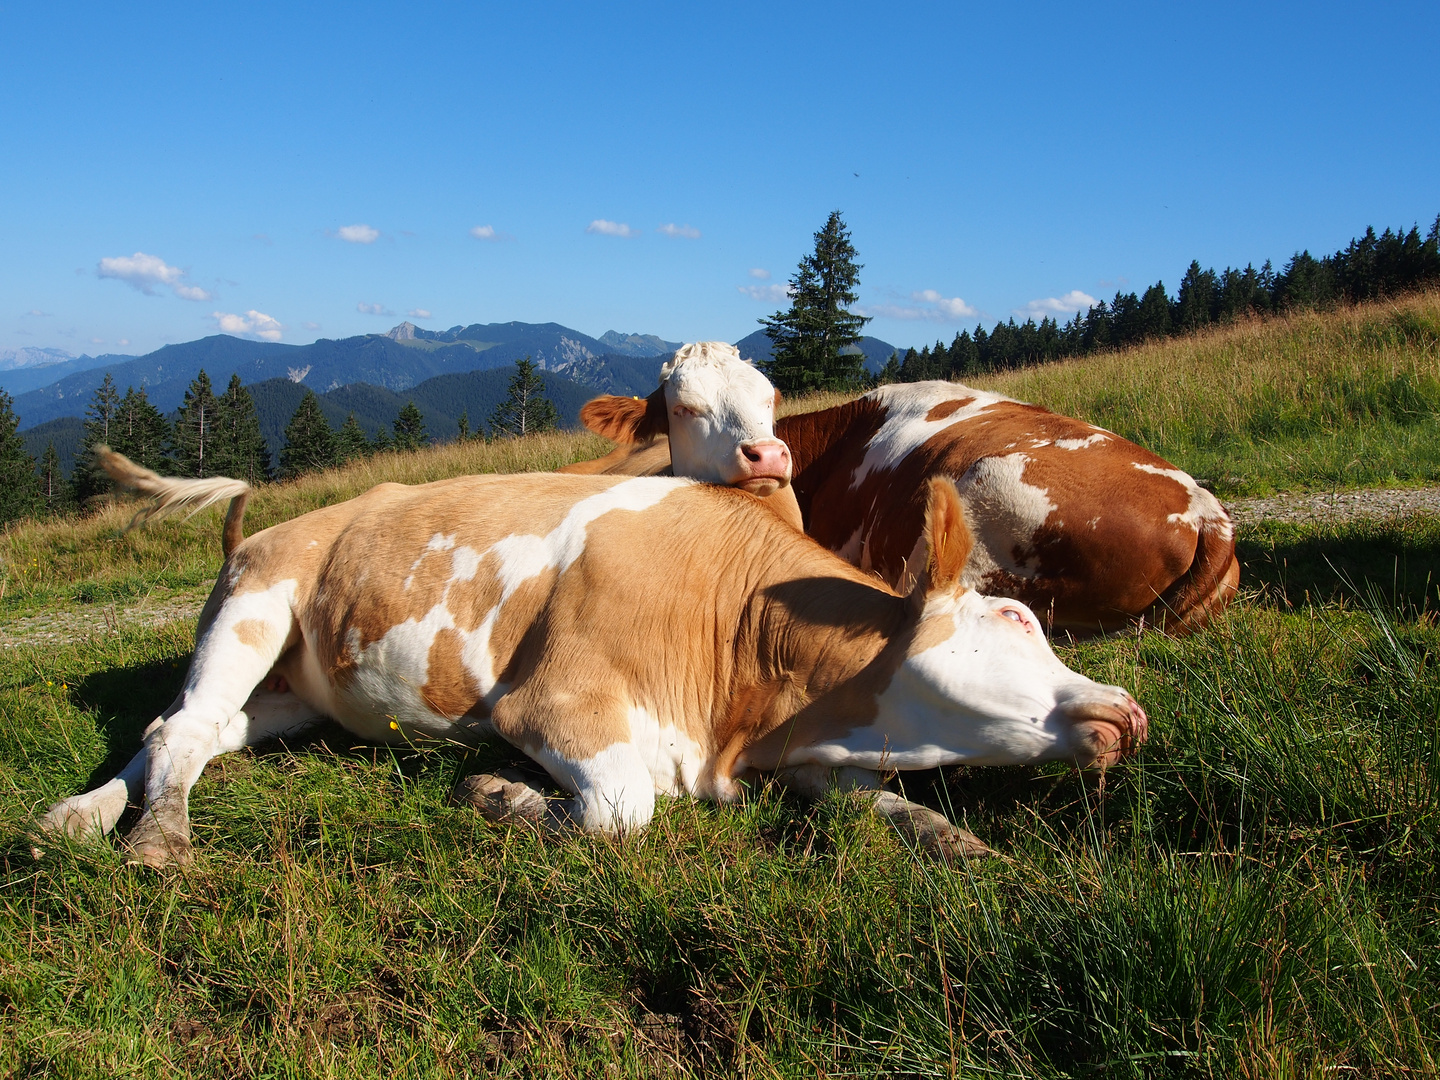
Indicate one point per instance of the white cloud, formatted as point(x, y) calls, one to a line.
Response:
point(419, 313)
point(97, 341)
point(951, 307)
point(358, 234)
point(37, 313)
point(142, 271)
point(679, 232)
point(124, 341)
point(610, 228)
point(372, 309)
point(769, 294)
point(757, 272)
point(484, 232)
point(1055, 306)
point(311, 325)
point(252, 324)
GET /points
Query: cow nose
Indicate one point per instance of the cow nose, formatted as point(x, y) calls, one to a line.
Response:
point(767, 458)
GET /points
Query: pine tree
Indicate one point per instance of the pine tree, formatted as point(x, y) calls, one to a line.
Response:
point(89, 479)
point(409, 428)
point(309, 441)
point(19, 486)
point(526, 410)
point(240, 449)
point(139, 431)
point(383, 443)
point(55, 494)
point(809, 339)
point(197, 430)
point(463, 425)
point(351, 443)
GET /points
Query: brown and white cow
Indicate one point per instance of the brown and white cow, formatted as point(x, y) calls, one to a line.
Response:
point(514, 606)
point(1089, 529)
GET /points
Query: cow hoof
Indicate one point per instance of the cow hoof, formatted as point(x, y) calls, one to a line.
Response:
point(500, 800)
point(929, 832)
point(74, 817)
point(953, 844)
point(160, 848)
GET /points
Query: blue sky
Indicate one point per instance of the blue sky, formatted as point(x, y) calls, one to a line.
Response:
point(297, 173)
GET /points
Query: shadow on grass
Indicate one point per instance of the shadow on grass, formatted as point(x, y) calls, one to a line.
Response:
point(1292, 564)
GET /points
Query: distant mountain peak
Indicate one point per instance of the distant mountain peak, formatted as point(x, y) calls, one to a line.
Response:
point(637, 344)
point(30, 356)
point(404, 332)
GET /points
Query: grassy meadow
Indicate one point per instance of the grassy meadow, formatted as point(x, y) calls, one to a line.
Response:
point(1257, 894)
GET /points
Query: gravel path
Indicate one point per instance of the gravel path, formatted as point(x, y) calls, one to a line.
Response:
point(76, 622)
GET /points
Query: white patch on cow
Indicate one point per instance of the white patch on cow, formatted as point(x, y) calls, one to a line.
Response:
point(614, 791)
point(1081, 444)
point(674, 759)
point(989, 694)
point(465, 563)
point(1004, 513)
point(853, 550)
point(1204, 508)
point(905, 426)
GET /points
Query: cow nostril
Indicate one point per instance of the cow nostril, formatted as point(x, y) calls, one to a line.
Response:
point(751, 454)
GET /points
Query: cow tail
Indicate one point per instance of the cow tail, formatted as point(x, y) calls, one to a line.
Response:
point(1207, 586)
point(168, 494)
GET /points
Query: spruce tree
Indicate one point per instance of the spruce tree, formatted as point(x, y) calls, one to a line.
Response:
point(409, 429)
point(19, 486)
point(240, 449)
point(139, 431)
point(351, 442)
point(197, 435)
point(463, 425)
point(309, 441)
point(55, 494)
point(809, 339)
point(90, 480)
point(526, 409)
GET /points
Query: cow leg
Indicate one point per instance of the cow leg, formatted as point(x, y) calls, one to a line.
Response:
point(180, 752)
point(94, 813)
point(923, 828)
point(506, 799)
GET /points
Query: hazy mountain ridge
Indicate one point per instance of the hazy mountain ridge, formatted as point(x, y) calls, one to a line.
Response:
point(756, 347)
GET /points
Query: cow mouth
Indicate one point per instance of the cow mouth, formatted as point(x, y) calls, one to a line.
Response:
point(1106, 732)
point(763, 485)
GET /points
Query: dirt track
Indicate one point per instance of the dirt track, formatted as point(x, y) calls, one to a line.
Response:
point(108, 618)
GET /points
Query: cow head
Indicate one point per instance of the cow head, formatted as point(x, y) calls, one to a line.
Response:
point(979, 682)
point(718, 411)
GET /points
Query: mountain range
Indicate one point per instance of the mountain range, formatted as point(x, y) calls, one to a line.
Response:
point(445, 372)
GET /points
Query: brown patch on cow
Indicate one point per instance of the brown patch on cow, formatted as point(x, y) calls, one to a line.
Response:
point(627, 420)
point(449, 691)
point(946, 408)
point(256, 633)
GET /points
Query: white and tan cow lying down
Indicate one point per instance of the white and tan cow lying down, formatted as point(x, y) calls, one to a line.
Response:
point(1092, 531)
point(515, 606)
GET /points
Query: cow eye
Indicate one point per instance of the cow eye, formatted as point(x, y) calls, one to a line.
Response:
point(1015, 615)
point(684, 410)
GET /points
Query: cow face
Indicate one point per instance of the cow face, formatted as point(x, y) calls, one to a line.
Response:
point(978, 683)
point(719, 413)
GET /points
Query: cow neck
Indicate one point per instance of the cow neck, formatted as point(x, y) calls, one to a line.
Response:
point(813, 629)
point(818, 440)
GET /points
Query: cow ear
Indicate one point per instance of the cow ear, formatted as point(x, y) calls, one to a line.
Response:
point(778, 399)
point(627, 420)
point(947, 539)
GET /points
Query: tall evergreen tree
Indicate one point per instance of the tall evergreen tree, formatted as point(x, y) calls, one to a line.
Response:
point(55, 494)
point(526, 409)
point(309, 441)
point(811, 338)
point(240, 449)
point(139, 431)
point(351, 443)
point(462, 426)
point(19, 486)
point(90, 480)
point(197, 430)
point(409, 429)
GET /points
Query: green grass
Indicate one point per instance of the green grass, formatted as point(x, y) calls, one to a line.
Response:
point(1255, 895)
point(1313, 401)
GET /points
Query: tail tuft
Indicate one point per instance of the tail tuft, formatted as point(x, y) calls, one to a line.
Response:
point(170, 494)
